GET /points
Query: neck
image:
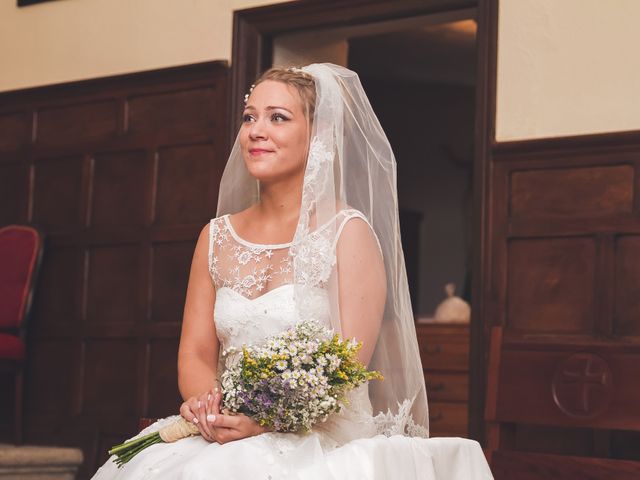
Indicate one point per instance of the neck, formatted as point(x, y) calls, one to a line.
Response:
point(280, 200)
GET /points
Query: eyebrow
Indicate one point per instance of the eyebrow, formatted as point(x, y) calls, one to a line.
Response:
point(251, 107)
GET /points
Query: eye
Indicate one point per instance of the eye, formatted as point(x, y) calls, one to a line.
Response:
point(278, 117)
point(246, 118)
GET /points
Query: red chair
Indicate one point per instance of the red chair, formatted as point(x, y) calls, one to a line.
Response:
point(20, 258)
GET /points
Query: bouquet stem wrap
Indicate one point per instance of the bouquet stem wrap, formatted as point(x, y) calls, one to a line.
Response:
point(175, 431)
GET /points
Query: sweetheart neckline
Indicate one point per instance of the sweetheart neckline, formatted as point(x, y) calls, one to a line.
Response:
point(280, 287)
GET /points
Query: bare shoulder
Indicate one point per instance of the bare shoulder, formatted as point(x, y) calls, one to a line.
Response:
point(355, 232)
point(355, 227)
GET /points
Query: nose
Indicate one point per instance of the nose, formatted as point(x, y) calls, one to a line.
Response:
point(257, 130)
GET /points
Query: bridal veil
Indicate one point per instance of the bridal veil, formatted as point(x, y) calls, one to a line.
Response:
point(350, 164)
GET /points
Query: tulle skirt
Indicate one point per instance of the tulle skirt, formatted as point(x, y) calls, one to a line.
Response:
point(278, 456)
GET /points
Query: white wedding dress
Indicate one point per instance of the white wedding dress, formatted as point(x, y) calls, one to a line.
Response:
point(254, 300)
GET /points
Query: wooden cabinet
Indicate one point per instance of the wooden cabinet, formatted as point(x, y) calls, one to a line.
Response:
point(444, 349)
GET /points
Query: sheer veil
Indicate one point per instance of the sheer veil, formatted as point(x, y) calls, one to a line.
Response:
point(350, 165)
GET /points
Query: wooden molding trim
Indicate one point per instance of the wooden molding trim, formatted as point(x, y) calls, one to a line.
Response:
point(577, 142)
point(181, 73)
point(487, 45)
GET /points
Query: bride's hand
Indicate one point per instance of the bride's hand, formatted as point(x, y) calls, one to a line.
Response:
point(228, 427)
point(196, 409)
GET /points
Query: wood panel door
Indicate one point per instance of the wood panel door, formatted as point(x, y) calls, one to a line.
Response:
point(121, 173)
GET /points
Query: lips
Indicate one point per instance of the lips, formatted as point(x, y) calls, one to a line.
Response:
point(258, 151)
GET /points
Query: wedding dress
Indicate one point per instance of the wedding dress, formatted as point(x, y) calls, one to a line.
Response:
point(255, 300)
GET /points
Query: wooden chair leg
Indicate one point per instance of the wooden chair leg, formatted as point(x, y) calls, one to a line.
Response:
point(18, 408)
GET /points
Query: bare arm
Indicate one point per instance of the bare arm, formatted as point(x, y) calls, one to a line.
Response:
point(198, 358)
point(362, 285)
point(198, 351)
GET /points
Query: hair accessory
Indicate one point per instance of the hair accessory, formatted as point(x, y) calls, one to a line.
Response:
point(246, 95)
point(299, 71)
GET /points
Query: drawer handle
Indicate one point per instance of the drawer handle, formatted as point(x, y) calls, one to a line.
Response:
point(436, 387)
point(436, 418)
point(431, 350)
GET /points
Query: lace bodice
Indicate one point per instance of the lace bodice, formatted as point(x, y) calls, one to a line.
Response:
point(255, 296)
point(256, 299)
point(247, 268)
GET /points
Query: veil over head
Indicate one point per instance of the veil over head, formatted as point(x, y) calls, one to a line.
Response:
point(350, 165)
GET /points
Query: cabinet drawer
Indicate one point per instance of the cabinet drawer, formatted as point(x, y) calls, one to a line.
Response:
point(444, 354)
point(447, 386)
point(448, 419)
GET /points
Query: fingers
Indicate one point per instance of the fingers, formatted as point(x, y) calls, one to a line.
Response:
point(203, 425)
point(224, 421)
point(210, 403)
point(217, 401)
point(224, 432)
point(187, 410)
point(203, 411)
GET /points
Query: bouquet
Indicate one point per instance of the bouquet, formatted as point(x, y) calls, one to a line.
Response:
point(296, 379)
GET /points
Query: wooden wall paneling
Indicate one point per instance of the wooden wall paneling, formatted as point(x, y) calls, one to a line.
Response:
point(14, 192)
point(566, 192)
point(178, 112)
point(72, 124)
point(626, 316)
point(185, 184)
point(604, 291)
point(163, 377)
point(600, 165)
point(110, 371)
point(169, 279)
point(16, 130)
point(551, 285)
point(121, 189)
point(57, 195)
point(47, 393)
point(59, 304)
point(496, 261)
point(122, 174)
point(113, 284)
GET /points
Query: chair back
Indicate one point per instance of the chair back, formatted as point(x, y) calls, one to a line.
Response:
point(570, 386)
point(20, 256)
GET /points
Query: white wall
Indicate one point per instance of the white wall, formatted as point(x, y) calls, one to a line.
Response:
point(68, 40)
point(567, 67)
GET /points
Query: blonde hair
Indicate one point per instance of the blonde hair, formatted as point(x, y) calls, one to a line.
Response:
point(300, 80)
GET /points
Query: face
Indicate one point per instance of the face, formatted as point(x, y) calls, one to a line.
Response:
point(274, 135)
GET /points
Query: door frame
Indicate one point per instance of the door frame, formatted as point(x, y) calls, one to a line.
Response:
point(253, 32)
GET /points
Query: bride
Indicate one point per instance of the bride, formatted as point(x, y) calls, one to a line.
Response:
point(307, 228)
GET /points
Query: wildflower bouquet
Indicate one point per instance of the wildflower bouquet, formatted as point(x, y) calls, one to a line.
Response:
point(296, 379)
